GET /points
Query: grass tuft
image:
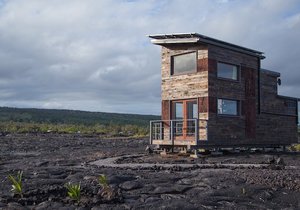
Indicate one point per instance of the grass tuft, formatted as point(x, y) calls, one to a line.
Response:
point(295, 148)
point(16, 183)
point(74, 191)
point(103, 181)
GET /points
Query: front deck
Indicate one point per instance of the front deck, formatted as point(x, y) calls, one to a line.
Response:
point(178, 132)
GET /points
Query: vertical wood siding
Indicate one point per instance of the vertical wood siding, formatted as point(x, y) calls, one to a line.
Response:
point(249, 108)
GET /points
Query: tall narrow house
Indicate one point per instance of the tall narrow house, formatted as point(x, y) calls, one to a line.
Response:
point(216, 94)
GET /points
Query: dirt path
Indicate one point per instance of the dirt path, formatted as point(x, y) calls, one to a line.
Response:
point(138, 181)
point(113, 163)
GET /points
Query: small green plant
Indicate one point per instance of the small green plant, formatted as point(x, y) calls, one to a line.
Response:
point(16, 183)
point(295, 148)
point(73, 191)
point(107, 192)
point(103, 181)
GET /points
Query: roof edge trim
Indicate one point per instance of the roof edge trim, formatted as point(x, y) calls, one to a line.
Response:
point(158, 39)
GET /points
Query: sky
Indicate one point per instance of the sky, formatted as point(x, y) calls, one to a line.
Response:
point(95, 55)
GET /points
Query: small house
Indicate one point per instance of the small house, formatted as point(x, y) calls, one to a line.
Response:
point(216, 94)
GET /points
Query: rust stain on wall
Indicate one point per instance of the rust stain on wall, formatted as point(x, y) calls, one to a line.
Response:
point(250, 101)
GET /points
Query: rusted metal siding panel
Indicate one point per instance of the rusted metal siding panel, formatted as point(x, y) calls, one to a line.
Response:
point(243, 108)
point(165, 111)
point(249, 82)
point(250, 101)
point(212, 65)
point(250, 118)
point(212, 100)
point(203, 104)
point(202, 64)
point(212, 104)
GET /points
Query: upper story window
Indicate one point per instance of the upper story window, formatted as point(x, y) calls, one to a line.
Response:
point(183, 63)
point(228, 71)
point(228, 107)
point(291, 106)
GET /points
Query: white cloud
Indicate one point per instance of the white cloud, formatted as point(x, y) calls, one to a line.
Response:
point(94, 55)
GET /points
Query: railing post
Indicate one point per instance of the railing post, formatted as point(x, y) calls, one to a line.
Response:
point(160, 131)
point(206, 128)
point(196, 131)
point(150, 132)
point(171, 132)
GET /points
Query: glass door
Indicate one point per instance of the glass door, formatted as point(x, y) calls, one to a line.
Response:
point(192, 114)
point(178, 119)
point(184, 114)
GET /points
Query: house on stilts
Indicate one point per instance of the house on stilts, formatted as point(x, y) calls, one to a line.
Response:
point(216, 94)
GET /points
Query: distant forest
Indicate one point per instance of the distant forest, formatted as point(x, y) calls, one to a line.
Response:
point(22, 120)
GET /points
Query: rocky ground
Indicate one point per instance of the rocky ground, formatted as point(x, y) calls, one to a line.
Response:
point(139, 181)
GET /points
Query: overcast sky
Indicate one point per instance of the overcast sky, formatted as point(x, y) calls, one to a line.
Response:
point(94, 55)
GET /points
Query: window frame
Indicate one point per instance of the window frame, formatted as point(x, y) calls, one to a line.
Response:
point(238, 78)
point(185, 119)
point(172, 73)
point(239, 108)
point(183, 101)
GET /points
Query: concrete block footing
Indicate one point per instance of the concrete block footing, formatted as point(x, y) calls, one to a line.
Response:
point(163, 153)
point(183, 151)
point(195, 155)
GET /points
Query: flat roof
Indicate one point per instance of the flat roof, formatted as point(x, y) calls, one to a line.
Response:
point(274, 73)
point(180, 38)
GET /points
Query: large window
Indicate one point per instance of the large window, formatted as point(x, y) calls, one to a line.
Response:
point(228, 107)
point(183, 63)
point(228, 71)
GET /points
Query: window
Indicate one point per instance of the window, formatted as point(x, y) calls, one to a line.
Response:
point(228, 107)
point(183, 63)
point(228, 71)
point(178, 110)
point(192, 110)
point(291, 106)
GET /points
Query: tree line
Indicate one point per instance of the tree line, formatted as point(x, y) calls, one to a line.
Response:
point(16, 120)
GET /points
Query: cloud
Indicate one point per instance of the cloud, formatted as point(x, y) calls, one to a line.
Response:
point(94, 55)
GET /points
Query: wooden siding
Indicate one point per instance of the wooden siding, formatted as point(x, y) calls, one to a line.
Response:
point(165, 110)
point(185, 86)
point(250, 101)
point(250, 127)
point(203, 104)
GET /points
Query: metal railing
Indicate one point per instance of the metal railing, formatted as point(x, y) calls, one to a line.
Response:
point(170, 130)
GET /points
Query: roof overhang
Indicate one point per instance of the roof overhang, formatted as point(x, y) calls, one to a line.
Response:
point(161, 39)
point(289, 97)
point(185, 38)
point(273, 73)
point(174, 41)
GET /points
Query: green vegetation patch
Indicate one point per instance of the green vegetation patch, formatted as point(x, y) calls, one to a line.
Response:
point(54, 116)
point(16, 120)
point(295, 148)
